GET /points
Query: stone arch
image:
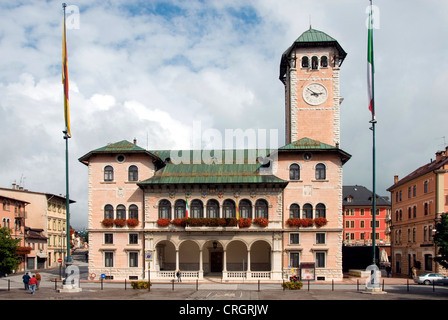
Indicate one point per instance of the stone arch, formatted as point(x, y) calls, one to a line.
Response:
point(260, 255)
point(236, 255)
point(189, 255)
point(165, 255)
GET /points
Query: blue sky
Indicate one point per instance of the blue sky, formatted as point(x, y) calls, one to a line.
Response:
point(149, 69)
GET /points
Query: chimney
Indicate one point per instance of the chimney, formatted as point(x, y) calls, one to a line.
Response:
point(395, 178)
point(440, 155)
point(135, 141)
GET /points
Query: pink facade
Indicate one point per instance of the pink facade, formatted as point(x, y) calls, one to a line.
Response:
point(292, 206)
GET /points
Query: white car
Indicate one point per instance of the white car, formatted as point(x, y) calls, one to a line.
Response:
point(429, 278)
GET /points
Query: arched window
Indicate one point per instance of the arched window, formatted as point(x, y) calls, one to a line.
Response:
point(245, 209)
point(121, 212)
point(133, 212)
point(261, 209)
point(179, 209)
point(321, 211)
point(320, 171)
point(305, 62)
point(196, 208)
point(108, 173)
point(294, 172)
point(108, 212)
point(314, 63)
point(133, 173)
point(324, 62)
point(294, 211)
point(229, 209)
point(212, 209)
point(307, 211)
point(164, 209)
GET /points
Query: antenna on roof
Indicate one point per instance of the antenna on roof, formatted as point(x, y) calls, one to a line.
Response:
point(310, 20)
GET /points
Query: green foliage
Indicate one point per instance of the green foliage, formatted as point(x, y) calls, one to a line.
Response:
point(9, 260)
point(441, 240)
point(293, 285)
point(140, 284)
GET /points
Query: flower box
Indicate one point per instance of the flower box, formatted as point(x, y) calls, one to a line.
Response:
point(320, 222)
point(119, 222)
point(163, 222)
point(108, 222)
point(244, 222)
point(262, 222)
point(132, 223)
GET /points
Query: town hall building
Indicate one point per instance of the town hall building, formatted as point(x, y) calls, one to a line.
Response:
point(150, 216)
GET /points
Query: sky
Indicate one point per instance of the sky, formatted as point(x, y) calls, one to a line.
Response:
point(151, 69)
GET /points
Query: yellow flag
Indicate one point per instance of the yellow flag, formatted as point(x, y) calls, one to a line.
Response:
point(65, 82)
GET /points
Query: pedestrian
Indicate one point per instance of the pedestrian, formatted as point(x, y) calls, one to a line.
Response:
point(178, 276)
point(39, 278)
point(388, 270)
point(33, 283)
point(26, 279)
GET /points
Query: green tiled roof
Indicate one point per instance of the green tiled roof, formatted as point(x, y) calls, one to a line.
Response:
point(307, 144)
point(123, 146)
point(313, 35)
point(243, 169)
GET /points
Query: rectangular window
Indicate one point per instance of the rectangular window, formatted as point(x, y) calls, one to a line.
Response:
point(294, 238)
point(133, 259)
point(294, 259)
point(133, 238)
point(108, 238)
point(320, 238)
point(320, 259)
point(108, 259)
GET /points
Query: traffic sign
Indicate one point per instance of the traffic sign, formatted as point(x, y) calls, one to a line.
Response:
point(103, 276)
point(60, 260)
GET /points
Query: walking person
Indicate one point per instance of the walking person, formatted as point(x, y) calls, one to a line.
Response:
point(178, 276)
point(39, 278)
point(33, 283)
point(26, 279)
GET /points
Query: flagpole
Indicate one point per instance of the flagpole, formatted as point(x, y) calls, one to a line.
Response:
point(373, 122)
point(66, 137)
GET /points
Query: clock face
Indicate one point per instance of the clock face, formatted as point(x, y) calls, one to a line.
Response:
point(315, 94)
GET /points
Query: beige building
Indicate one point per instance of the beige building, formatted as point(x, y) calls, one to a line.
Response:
point(225, 213)
point(46, 224)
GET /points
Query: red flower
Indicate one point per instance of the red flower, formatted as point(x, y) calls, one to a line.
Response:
point(132, 222)
point(120, 222)
point(319, 222)
point(262, 222)
point(244, 222)
point(107, 222)
point(163, 222)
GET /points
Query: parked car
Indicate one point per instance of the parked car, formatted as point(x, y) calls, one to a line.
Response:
point(443, 281)
point(429, 278)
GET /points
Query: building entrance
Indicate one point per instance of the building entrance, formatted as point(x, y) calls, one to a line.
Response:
point(216, 261)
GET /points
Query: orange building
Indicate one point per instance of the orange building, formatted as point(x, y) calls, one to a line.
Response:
point(224, 214)
point(418, 200)
point(357, 206)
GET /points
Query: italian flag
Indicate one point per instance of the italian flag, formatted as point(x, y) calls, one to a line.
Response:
point(187, 208)
point(370, 67)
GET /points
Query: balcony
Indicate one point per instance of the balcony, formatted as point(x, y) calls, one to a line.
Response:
point(213, 224)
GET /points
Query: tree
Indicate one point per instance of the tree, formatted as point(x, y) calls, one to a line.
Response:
point(9, 260)
point(441, 240)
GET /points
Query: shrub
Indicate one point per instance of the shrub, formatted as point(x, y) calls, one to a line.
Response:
point(231, 222)
point(140, 284)
point(292, 285)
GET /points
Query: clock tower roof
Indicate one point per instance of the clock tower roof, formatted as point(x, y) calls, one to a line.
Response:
point(309, 39)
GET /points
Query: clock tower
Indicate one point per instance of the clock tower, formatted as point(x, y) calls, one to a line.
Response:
point(309, 69)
